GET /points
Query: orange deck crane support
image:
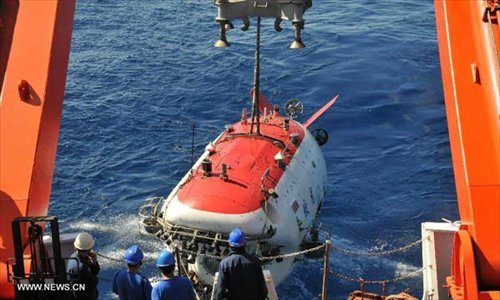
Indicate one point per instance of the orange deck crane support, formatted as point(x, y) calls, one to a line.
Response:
point(469, 45)
point(35, 39)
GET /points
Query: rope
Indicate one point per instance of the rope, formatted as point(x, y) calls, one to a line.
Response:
point(339, 275)
point(293, 254)
point(376, 253)
point(386, 281)
point(287, 255)
point(319, 247)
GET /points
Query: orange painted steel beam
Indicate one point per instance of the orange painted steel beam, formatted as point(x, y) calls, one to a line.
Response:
point(469, 53)
point(34, 47)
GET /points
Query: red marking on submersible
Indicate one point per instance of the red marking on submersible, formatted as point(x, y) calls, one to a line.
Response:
point(247, 158)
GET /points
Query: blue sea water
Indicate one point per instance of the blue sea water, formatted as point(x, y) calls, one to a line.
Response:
point(142, 72)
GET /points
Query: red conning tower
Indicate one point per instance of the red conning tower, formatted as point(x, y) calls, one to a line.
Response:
point(469, 45)
point(35, 39)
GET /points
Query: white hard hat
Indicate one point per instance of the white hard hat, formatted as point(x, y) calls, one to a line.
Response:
point(84, 241)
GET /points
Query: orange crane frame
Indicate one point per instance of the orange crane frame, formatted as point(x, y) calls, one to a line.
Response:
point(469, 45)
point(35, 38)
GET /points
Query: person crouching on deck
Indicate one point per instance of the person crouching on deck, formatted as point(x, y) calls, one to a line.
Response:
point(130, 284)
point(240, 273)
point(171, 287)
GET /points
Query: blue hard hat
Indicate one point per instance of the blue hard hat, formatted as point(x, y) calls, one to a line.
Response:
point(165, 259)
point(236, 238)
point(133, 255)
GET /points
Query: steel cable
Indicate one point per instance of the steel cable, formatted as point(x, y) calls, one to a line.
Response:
point(386, 281)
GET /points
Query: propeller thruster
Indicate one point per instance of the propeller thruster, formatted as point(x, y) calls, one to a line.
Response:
point(320, 135)
point(294, 108)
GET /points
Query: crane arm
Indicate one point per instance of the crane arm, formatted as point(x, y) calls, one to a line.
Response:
point(35, 39)
point(469, 45)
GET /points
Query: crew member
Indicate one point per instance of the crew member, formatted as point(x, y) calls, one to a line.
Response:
point(83, 267)
point(130, 284)
point(171, 287)
point(240, 274)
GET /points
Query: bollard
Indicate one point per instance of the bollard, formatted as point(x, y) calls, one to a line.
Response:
point(326, 270)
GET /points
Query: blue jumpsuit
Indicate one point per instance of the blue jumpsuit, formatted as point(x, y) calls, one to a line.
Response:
point(176, 288)
point(131, 286)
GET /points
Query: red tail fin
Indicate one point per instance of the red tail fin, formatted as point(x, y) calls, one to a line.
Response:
point(320, 112)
